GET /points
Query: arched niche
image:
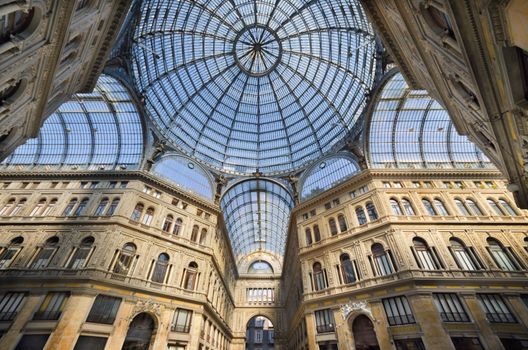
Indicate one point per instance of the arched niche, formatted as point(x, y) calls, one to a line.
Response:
point(140, 334)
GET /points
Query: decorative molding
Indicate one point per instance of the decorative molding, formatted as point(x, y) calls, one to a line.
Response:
point(352, 306)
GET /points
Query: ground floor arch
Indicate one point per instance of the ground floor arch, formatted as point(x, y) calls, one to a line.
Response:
point(260, 334)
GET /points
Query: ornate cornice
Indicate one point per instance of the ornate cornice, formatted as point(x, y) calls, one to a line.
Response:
point(113, 175)
point(117, 18)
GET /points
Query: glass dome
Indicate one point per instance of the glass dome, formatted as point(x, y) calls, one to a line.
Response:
point(246, 86)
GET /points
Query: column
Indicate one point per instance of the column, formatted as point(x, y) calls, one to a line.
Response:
point(427, 316)
point(123, 319)
point(311, 331)
point(381, 327)
point(13, 335)
point(479, 318)
point(74, 314)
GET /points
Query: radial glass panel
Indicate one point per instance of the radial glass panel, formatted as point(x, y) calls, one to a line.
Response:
point(98, 130)
point(408, 129)
point(247, 86)
point(256, 213)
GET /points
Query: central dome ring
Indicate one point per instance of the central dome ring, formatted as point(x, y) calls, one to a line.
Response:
point(257, 50)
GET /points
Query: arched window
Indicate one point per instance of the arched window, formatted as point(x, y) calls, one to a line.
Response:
point(203, 236)
point(428, 207)
point(49, 208)
point(407, 207)
point(260, 266)
point(69, 208)
point(177, 226)
point(9, 253)
point(125, 258)
point(473, 207)
point(382, 262)
point(18, 207)
point(495, 207)
point(342, 223)
point(147, 218)
point(395, 205)
point(308, 234)
point(7, 207)
point(15, 22)
point(138, 211)
point(318, 275)
point(191, 276)
point(194, 233)
point(46, 253)
point(347, 269)
point(503, 257)
point(82, 254)
point(317, 233)
point(160, 268)
point(38, 208)
point(101, 207)
point(360, 214)
point(464, 257)
point(371, 211)
point(461, 207)
point(506, 205)
point(440, 207)
point(167, 224)
point(424, 255)
point(112, 208)
point(81, 207)
point(333, 226)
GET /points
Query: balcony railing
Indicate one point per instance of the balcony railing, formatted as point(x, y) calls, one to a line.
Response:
point(325, 328)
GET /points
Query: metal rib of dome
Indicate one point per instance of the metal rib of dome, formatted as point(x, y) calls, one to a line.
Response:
point(267, 85)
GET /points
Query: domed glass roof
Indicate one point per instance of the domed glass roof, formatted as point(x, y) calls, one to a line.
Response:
point(267, 85)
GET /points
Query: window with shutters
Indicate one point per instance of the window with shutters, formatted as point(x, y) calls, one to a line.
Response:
point(112, 208)
point(182, 321)
point(125, 258)
point(101, 207)
point(464, 257)
point(81, 254)
point(503, 257)
point(45, 253)
point(10, 305)
point(104, 309)
point(160, 268)
point(52, 306)
point(324, 321)
point(9, 253)
point(319, 277)
point(496, 309)
point(347, 269)
point(450, 307)
point(383, 265)
point(398, 311)
point(360, 214)
point(426, 258)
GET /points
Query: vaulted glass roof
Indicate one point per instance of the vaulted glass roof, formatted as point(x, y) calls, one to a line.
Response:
point(267, 85)
point(408, 129)
point(99, 130)
point(256, 212)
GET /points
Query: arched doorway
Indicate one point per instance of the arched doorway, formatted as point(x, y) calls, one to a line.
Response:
point(364, 334)
point(260, 334)
point(139, 333)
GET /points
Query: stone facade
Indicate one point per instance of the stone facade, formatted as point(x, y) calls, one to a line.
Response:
point(199, 300)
